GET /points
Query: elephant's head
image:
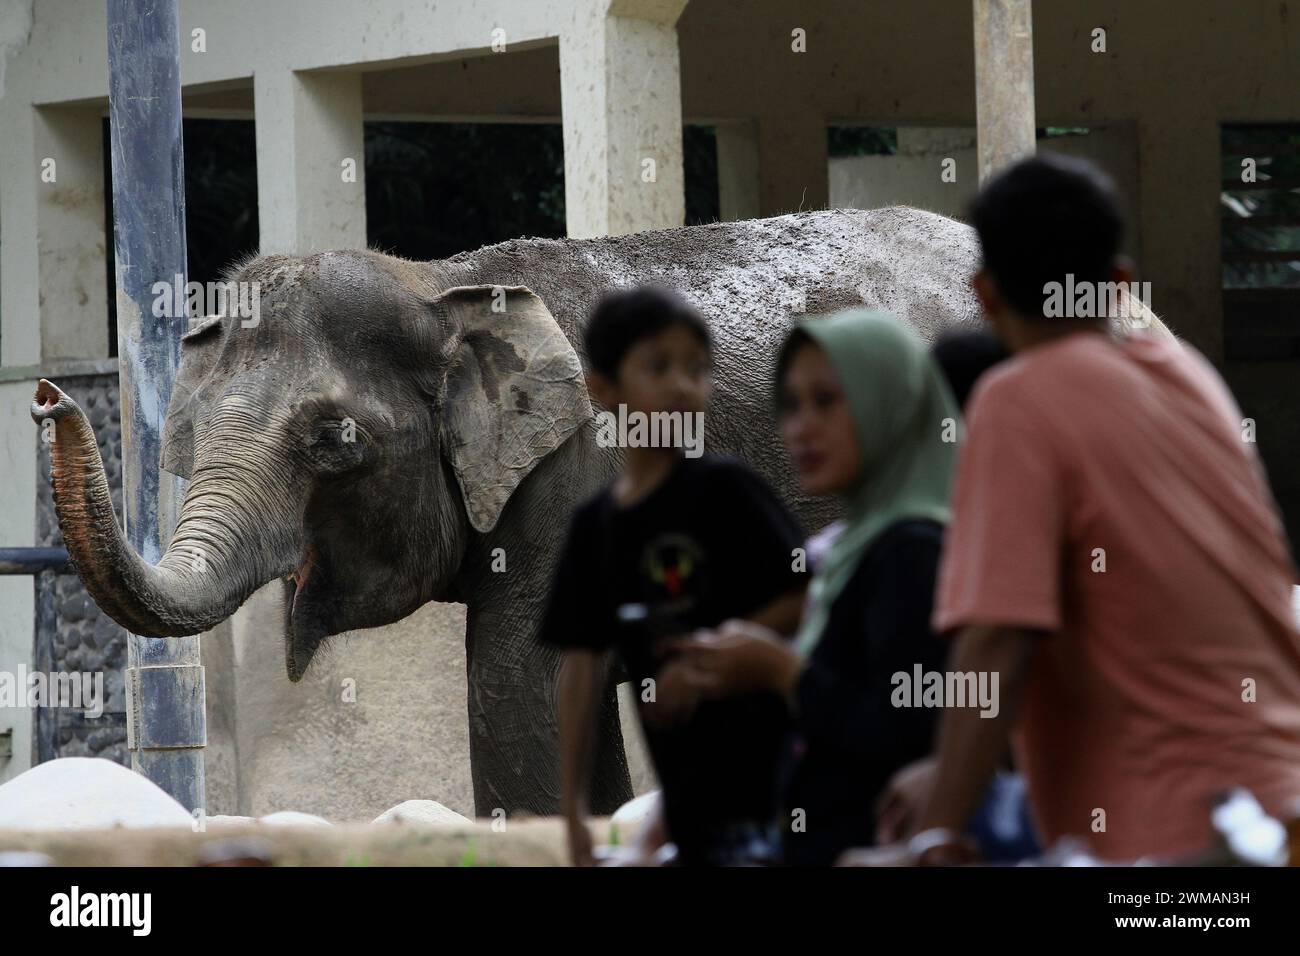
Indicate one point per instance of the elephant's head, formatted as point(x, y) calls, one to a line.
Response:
point(351, 442)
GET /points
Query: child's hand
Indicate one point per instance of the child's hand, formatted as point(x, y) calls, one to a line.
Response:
point(677, 694)
point(904, 798)
point(739, 658)
point(929, 848)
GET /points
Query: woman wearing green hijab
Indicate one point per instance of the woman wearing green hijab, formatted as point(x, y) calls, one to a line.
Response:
point(867, 417)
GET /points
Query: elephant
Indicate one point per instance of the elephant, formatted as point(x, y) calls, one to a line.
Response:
point(393, 432)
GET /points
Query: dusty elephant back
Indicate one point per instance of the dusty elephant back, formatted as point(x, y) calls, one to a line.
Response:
point(753, 280)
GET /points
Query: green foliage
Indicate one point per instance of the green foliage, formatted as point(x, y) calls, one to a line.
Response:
point(861, 140)
point(1261, 218)
point(220, 195)
point(436, 189)
point(470, 856)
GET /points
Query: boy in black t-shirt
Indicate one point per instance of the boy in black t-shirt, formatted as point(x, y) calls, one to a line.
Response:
point(677, 541)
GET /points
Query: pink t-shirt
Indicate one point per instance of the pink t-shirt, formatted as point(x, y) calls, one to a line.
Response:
point(1106, 495)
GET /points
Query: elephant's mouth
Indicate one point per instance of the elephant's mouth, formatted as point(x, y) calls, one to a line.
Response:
point(305, 614)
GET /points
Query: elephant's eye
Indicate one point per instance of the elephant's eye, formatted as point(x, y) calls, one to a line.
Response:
point(331, 432)
point(336, 445)
point(327, 436)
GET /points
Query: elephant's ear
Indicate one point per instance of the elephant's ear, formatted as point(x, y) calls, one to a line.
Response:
point(514, 392)
point(199, 349)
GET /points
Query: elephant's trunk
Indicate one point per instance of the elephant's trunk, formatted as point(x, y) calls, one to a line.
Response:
point(190, 590)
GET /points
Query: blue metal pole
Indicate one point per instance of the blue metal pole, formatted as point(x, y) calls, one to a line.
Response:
point(166, 727)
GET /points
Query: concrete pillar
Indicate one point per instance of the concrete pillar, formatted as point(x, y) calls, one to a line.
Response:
point(738, 175)
point(620, 88)
point(793, 164)
point(311, 184)
point(1004, 83)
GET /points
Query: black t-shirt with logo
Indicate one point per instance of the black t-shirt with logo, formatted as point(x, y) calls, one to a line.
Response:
point(712, 542)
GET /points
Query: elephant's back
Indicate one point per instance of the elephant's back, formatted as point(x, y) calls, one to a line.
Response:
point(753, 280)
point(758, 271)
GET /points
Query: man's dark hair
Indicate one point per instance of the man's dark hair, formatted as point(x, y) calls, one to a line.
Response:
point(964, 356)
point(623, 318)
point(1043, 219)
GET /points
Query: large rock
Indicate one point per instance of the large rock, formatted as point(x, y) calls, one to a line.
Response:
point(630, 818)
point(83, 793)
point(293, 818)
point(422, 811)
point(228, 819)
point(281, 818)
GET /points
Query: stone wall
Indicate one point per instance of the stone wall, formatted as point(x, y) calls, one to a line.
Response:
point(72, 634)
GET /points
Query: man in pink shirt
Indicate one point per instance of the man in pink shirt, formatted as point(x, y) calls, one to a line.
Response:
point(1115, 558)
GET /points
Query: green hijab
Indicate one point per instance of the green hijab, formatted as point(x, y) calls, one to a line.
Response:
point(903, 412)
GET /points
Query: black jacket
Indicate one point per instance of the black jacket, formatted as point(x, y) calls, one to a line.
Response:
point(849, 738)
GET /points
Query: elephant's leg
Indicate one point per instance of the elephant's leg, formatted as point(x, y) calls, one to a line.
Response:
point(513, 731)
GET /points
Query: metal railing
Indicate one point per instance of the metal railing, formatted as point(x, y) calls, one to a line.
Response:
point(35, 561)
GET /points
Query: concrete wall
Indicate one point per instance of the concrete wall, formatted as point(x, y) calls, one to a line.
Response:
point(380, 718)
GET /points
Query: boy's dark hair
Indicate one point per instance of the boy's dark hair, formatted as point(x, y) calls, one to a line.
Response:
point(794, 341)
point(965, 355)
point(1042, 219)
point(623, 318)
